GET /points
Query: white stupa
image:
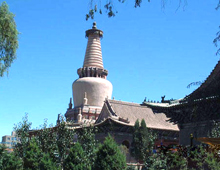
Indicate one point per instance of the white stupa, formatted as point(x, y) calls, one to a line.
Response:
point(91, 88)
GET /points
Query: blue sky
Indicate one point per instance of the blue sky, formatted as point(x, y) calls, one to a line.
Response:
point(149, 52)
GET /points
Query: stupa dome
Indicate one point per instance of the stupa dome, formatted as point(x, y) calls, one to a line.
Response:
point(96, 89)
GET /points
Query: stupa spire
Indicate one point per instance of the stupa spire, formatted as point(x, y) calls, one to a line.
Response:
point(93, 56)
point(93, 64)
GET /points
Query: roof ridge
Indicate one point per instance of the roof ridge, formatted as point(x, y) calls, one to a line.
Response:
point(109, 107)
point(125, 103)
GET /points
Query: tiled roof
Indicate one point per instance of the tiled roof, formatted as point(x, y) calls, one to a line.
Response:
point(128, 113)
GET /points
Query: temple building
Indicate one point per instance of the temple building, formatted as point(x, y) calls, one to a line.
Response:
point(93, 104)
point(195, 114)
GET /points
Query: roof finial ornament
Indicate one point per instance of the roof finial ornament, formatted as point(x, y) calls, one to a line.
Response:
point(58, 119)
point(94, 25)
point(162, 99)
point(70, 104)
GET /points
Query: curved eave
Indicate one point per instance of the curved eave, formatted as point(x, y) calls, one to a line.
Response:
point(210, 141)
point(180, 105)
point(106, 121)
point(210, 87)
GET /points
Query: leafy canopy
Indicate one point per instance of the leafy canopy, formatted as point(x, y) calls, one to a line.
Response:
point(86, 137)
point(76, 159)
point(9, 161)
point(8, 38)
point(143, 141)
point(97, 7)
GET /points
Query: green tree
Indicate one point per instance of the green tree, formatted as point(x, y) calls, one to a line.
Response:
point(76, 159)
point(64, 140)
point(8, 38)
point(156, 161)
point(86, 137)
point(199, 158)
point(47, 138)
point(46, 163)
point(22, 129)
point(147, 139)
point(136, 145)
point(212, 162)
point(109, 156)
point(53, 142)
point(56, 141)
point(143, 141)
point(9, 161)
point(32, 156)
point(176, 161)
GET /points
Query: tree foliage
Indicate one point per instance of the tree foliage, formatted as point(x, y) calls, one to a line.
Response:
point(86, 137)
point(9, 161)
point(199, 158)
point(217, 39)
point(211, 161)
point(196, 83)
point(109, 156)
point(176, 160)
point(193, 158)
point(64, 140)
point(8, 38)
point(96, 7)
point(35, 159)
point(32, 156)
point(143, 141)
point(21, 130)
point(39, 151)
point(52, 142)
point(47, 163)
point(136, 144)
point(47, 138)
point(155, 161)
point(76, 159)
